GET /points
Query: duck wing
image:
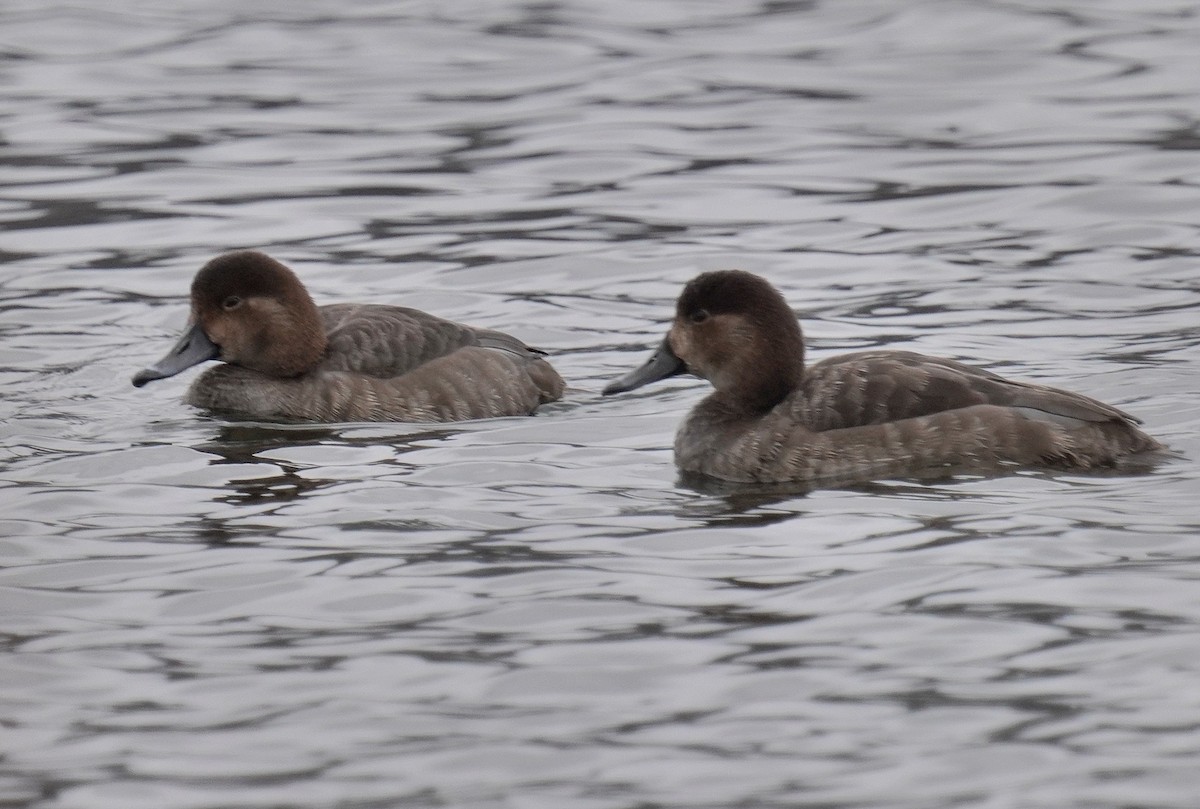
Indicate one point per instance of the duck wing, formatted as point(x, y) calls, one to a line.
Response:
point(499, 341)
point(876, 387)
point(390, 341)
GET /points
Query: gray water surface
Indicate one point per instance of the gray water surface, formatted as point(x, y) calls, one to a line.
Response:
point(536, 612)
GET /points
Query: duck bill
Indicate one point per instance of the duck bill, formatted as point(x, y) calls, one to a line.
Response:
point(193, 348)
point(663, 363)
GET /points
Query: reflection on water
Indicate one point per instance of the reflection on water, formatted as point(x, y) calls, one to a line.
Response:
point(537, 611)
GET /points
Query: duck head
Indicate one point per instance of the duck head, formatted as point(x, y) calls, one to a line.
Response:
point(735, 330)
point(249, 310)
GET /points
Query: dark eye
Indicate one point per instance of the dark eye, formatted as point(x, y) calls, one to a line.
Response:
point(232, 302)
point(698, 316)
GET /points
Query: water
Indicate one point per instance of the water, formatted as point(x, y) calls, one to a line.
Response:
point(533, 612)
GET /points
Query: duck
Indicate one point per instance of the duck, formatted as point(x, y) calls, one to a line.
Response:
point(857, 417)
point(283, 358)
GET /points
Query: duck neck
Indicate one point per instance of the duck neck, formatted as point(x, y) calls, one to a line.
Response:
point(773, 369)
point(297, 340)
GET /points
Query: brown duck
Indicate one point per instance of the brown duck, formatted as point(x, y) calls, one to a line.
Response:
point(861, 416)
point(285, 358)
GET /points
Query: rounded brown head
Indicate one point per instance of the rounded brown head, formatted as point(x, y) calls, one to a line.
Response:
point(734, 329)
point(250, 310)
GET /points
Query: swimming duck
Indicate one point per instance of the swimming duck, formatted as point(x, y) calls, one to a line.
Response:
point(860, 416)
point(285, 358)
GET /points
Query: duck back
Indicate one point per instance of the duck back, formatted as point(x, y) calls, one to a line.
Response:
point(874, 387)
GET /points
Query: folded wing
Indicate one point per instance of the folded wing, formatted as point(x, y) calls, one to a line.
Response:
point(880, 387)
point(391, 341)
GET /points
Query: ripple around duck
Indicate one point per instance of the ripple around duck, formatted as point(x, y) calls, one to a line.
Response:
point(205, 612)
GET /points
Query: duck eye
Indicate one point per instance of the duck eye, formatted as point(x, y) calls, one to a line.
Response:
point(698, 316)
point(232, 302)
